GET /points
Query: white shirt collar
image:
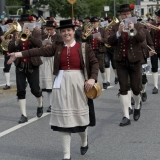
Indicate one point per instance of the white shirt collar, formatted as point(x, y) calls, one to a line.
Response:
point(72, 44)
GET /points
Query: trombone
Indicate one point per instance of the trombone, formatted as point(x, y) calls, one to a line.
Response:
point(152, 26)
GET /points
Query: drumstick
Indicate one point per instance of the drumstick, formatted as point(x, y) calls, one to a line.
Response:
point(151, 48)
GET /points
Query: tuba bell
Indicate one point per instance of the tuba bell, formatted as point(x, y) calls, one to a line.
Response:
point(8, 35)
point(88, 29)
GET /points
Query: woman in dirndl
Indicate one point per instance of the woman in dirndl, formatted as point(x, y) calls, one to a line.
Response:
point(71, 111)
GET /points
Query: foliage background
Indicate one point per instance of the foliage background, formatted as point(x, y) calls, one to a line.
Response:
point(82, 8)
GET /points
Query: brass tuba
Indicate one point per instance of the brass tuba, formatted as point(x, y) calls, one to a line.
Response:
point(88, 29)
point(8, 35)
point(108, 28)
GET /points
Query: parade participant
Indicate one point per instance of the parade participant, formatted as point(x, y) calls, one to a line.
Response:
point(46, 68)
point(109, 58)
point(128, 56)
point(7, 67)
point(155, 34)
point(27, 68)
point(70, 111)
point(98, 45)
point(78, 33)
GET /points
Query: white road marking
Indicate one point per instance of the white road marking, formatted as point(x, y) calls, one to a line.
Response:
point(21, 125)
point(5, 84)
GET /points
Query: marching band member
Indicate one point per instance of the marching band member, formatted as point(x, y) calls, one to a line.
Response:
point(128, 56)
point(155, 34)
point(7, 67)
point(97, 44)
point(70, 110)
point(48, 62)
point(27, 68)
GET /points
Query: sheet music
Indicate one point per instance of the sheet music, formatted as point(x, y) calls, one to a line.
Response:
point(37, 24)
point(131, 19)
point(95, 35)
point(5, 28)
point(104, 23)
point(30, 26)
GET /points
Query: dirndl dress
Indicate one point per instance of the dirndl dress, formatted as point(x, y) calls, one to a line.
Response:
point(70, 110)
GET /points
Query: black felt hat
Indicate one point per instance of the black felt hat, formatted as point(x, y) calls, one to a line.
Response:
point(33, 15)
point(66, 24)
point(94, 19)
point(87, 17)
point(157, 13)
point(9, 21)
point(125, 8)
point(50, 24)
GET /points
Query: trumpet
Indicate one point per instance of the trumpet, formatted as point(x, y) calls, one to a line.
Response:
point(22, 36)
point(152, 26)
point(88, 29)
point(42, 20)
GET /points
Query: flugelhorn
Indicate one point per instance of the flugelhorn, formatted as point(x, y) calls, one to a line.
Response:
point(109, 27)
point(22, 36)
point(42, 20)
point(8, 36)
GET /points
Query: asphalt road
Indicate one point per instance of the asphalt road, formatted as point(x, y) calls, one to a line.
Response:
point(107, 141)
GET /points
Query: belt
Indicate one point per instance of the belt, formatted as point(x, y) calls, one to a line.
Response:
point(25, 59)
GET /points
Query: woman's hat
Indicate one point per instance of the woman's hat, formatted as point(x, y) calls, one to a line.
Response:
point(66, 24)
point(126, 7)
point(50, 24)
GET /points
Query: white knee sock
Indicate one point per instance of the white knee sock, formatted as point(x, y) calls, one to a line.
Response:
point(104, 77)
point(7, 76)
point(22, 104)
point(155, 79)
point(50, 97)
point(129, 99)
point(83, 136)
point(66, 142)
point(39, 99)
point(115, 72)
point(137, 100)
point(107, 71)
point(125, 104)
point(144, 86)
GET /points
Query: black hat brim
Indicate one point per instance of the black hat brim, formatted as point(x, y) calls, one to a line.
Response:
point(49, 26)
point(66, 26)
point(157, 14)
point(122, 10)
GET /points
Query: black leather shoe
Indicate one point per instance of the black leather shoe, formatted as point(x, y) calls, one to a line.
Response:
point(116, 80)
point(108, 84)
point(39, 112)
point(144, 96)
point(84, 150)
point(104, 85)
point(132, 101)
point(155, 90)
point(125, 121)
point(136, 114)
point(130, 111)
point(6, 87)
point(23, 119)
point(49, 109)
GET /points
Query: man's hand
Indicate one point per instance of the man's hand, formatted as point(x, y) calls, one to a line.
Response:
point(120, 29)
point(99, 38)
point(12, 58)
point(152, 52)
point(89, 84)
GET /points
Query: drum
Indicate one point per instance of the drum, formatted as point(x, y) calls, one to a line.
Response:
point(95, 91)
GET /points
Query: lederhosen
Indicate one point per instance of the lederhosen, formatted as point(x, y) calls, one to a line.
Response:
point(26, 70)
point(125, 69)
